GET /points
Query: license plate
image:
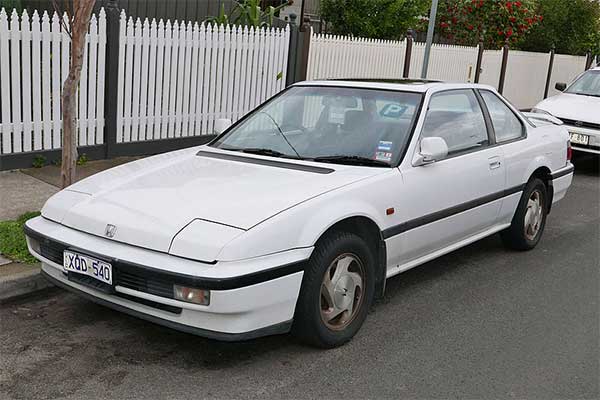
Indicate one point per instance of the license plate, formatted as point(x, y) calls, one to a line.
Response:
point(578, 138)
point(86, 265)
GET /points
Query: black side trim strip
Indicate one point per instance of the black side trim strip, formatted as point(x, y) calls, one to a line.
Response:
point(270, 163)
point(276, 329)
point(448, 212)
point(235, 282)
point(562, 173)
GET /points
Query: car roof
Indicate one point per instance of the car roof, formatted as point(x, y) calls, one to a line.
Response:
point(408, 85)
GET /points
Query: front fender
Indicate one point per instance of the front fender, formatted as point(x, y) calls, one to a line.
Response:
point(302, 225)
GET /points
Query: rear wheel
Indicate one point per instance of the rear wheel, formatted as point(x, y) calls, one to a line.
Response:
point(337, 291)
point(529, 220)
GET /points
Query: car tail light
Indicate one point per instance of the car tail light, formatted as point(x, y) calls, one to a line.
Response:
point(569, 150)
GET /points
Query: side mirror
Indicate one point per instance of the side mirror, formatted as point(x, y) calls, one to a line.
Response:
point(432, 149)
point(221, 125)
point(560, 86)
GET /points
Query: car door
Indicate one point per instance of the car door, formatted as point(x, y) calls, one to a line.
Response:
point(457, 197)
point(509, 133)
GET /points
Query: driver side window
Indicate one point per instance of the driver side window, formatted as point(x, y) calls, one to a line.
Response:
point(456, 117)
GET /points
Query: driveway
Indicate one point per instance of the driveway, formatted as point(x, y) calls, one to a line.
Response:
point(482, 322)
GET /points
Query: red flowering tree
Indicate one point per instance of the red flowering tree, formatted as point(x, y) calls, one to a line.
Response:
point(464, 22)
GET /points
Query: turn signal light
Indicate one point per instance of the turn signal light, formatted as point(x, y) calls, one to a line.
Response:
point(192, 295)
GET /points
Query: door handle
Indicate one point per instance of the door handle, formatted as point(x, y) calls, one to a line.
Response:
point(495, 162)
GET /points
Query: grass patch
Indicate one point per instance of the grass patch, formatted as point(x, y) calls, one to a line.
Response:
point(12, 239)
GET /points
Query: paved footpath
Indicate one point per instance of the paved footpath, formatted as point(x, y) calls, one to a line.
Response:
point(481, 322)
point(20, 193)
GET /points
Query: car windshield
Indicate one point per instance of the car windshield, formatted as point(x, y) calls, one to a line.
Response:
point(329, 124)
point(588, 84)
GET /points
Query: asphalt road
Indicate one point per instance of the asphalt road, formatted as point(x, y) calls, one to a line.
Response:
point(481, 322)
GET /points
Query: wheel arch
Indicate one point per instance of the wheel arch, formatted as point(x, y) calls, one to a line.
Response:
point(545, 175)
point(371, 233)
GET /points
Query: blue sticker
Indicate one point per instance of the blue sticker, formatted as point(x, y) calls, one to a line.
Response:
point(384, 146)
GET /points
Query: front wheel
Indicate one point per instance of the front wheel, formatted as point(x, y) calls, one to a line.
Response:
point(337, 291)
point(529, 220)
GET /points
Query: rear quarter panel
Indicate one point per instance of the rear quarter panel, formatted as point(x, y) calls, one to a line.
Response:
point(544, 147)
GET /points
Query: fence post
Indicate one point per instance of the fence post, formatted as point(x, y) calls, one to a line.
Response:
point(549, 75)
point(479, 60)
point(112, 75)
point(304, 50)
point(408, 54)
point(588, 60)
point(290, 76)
point(503, 69)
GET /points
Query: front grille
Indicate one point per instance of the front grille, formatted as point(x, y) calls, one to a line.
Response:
point(124, 274)
point(143, 283)
point(580, 124)
point(52, 250)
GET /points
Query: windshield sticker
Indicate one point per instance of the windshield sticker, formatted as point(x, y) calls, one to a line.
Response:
point(384, 146)
point(383, 156)
point(393, 110)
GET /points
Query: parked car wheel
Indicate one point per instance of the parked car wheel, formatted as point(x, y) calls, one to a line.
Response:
point(529, 220)
point(337, 291)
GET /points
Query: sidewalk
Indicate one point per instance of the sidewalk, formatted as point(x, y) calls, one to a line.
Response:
point(27, 190)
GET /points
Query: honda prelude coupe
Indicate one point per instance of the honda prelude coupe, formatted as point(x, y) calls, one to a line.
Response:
point(293, 218)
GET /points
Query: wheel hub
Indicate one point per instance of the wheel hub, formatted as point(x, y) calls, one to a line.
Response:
point(342, 291)
point(533, 215)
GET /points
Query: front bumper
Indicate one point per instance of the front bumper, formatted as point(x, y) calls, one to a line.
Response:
point(249, 298)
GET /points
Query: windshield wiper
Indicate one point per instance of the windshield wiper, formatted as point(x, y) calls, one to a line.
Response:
point(281, 133)
point(352, 160)
point(265, 152)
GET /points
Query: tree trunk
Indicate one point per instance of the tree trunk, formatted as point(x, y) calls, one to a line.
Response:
point(79, 21)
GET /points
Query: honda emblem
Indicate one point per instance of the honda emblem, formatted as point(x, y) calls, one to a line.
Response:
point(110, 230)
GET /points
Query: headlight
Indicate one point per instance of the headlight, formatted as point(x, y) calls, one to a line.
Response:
point(539, 111)
point(192, 295)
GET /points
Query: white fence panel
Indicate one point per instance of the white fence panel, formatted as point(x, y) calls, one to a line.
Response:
point(351, 57)
point(526, 78)
point(450, 63)
point(177, 78)
point(31, 82)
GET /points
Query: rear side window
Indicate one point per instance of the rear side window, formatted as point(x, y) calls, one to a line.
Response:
point(456, 117)
point(506, 124)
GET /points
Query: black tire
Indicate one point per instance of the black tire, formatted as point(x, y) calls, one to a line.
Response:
point(309, 325)
point(515, 236)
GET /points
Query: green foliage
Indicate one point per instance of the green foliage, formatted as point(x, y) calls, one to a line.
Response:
point(83, 159)
point(381, 19)
point(12, 239)
point(8, 5)
point(465, 22)
point(249, 13)
point(39, 161)
point(573, 27)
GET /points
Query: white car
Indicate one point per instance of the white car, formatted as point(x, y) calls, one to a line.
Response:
point(579, 108)
point(295, 216)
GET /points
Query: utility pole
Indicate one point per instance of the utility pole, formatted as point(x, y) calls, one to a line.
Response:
point(430, 29)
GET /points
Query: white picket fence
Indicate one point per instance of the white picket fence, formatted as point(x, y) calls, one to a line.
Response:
point(34, 62)
point(351, 57)
point(176, 79)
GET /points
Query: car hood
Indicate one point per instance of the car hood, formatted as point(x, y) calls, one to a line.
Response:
point(573, 106)
point(150, 201)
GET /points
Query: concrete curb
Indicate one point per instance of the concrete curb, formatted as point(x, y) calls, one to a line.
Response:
point(23, 279)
